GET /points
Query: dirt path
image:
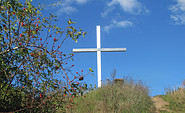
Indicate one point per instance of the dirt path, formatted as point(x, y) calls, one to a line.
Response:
point(160, 104)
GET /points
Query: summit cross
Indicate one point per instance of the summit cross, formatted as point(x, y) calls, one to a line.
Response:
point(99, 50)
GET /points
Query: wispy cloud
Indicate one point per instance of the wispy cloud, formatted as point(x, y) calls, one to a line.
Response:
point(81, 1)
point(178, 12)
point(118, 24)
point(66, 10)
point(128, 6)
point(67, 6)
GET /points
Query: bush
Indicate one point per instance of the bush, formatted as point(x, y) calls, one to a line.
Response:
point(124, 96)
point(33, 62)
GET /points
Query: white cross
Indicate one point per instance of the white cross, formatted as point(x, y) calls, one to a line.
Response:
point(99, 50)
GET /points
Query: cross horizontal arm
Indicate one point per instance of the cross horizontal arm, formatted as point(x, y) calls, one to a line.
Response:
point(102, 50)
point(113, 49)
point(85, 50)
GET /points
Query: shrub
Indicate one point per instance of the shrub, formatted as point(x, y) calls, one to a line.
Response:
point(124, 96)
point(32, 59)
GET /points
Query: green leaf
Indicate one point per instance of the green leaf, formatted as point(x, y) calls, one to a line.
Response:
point(90, 69)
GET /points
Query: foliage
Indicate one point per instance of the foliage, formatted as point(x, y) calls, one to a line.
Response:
point(176, 98)
point(31, 57)
point(124, 96)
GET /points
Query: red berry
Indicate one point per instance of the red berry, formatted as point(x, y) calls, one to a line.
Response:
point(84, 96)
point(81, 78)
point(55, 39)
point(72, 65)
point(81, 70)
point(37, 25)
point(13, 13)
point(49, 35)
point(40, 95)
point(76, 72)
point(20, 43)
point(24, 8)
point(40, 38)
point(22, 23)
point(20, 35)
point(32, 54)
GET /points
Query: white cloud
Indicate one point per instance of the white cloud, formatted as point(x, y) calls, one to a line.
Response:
point(67, 6)
point(116, 24)
point(66, 10)
point(178, 12)
point(81, 1)
point(129, 6)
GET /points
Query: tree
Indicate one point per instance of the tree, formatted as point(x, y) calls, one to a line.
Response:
point(29, 62)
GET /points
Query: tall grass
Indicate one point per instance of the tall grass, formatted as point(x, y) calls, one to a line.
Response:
point(124, 96)
point(176, 97)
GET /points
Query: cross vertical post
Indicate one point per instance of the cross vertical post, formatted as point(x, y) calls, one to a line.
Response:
point(98, 55)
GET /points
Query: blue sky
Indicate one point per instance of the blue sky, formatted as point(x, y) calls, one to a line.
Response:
point(151, 30)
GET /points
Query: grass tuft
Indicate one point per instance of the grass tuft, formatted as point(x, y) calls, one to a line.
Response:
point(176, 98)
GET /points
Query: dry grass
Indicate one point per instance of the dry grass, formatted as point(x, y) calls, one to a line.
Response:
point(124, 96)
point(176, 98)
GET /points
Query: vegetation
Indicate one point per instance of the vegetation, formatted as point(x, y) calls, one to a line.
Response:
point(176, 98)
point(124, 96)
point(32, 63)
